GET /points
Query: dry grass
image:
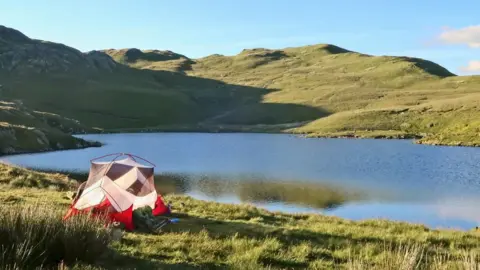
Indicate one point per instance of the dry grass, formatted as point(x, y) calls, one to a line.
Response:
point(35, 236)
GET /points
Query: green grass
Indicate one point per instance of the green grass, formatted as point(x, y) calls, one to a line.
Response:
point(224, 236)
point(359, 95)
point(17, 177)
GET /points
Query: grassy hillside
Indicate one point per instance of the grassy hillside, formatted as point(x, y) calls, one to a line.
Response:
point(99, 92)
point(359, 95)
point(23, 130)
point(318, 90)
point(214, 236)
point(148, 59)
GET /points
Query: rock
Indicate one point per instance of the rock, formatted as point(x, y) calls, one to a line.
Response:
point(42, 138)
point(430, 125)
point(116, 234)
point(101, 60)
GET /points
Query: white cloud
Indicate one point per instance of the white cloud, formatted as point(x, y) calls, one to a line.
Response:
point(473, 66)
point(468, 35)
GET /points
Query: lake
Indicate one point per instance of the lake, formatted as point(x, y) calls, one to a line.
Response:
point(349, 178)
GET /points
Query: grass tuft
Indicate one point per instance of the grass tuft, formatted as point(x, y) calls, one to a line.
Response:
point(35, 236)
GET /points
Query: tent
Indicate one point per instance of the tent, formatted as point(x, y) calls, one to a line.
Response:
point(118, 187)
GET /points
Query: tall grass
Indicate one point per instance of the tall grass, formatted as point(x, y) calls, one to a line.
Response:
point(414, 256)
point(35, 236)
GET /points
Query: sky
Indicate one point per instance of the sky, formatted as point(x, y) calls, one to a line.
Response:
point(446, 32)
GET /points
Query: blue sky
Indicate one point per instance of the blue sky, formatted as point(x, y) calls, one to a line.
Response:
point(446, 32)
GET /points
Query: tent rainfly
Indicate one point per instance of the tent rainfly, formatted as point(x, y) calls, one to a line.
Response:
point(118, 187)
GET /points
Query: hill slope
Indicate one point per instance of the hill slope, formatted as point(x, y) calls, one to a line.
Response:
point(99, 92)
point(361, 95)
point(23, 130)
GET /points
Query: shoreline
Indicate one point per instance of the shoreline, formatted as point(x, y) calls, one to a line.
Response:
point(89, 144)
point(420, 139)
point(372, 135)
point(78, 175)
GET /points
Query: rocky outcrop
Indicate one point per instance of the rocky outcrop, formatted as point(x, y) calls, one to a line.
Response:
point(21, 54)
point(23, 130)
point(20, 139)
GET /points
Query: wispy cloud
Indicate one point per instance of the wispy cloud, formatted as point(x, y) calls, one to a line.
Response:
point(472, 67)
point(469, 35)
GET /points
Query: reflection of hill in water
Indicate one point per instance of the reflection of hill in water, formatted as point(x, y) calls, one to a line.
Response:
point(316, 195)
point(253, 190)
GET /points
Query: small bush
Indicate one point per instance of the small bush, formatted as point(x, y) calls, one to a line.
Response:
point(36, 236)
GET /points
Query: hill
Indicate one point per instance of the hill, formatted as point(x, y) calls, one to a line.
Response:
point(361, 95)
point(99, 92)
point(317, 90)
point(148, 59)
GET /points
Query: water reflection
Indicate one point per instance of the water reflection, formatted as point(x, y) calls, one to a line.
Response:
point(255, 190)
point(259, 191)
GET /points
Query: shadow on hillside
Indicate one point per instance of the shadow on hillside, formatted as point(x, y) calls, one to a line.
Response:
point(132, 55)
point(133, 98)
point(428, 66)
point(230, 104)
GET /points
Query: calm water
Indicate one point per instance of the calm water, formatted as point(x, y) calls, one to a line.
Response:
point(355, 179)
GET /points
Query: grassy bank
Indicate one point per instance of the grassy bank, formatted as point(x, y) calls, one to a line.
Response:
point(223, 236)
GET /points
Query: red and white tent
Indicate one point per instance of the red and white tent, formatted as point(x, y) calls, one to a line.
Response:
point(118, 187)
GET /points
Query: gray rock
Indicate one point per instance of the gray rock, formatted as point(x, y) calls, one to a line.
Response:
point(42, 138)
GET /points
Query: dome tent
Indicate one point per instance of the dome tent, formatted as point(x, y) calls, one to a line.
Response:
point(117, 188)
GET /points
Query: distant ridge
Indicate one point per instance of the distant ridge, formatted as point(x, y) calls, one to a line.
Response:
point(155, 59)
